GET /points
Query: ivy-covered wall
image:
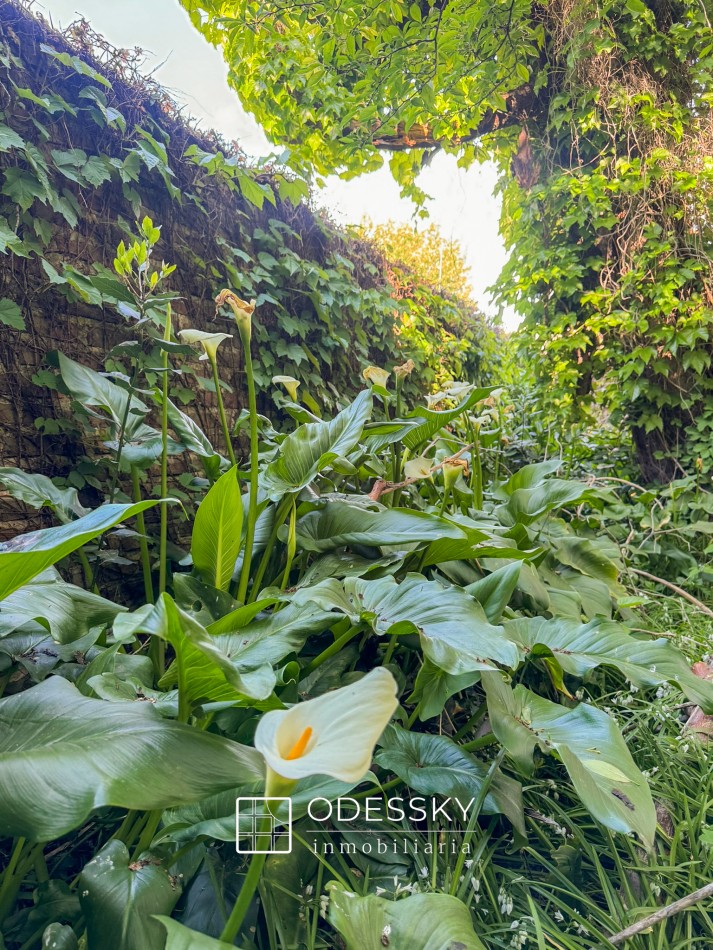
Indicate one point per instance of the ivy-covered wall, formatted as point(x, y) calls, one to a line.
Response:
point(87, 148)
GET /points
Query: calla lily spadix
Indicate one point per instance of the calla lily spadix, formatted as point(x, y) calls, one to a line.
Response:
point(209, 341)
point(333, 735)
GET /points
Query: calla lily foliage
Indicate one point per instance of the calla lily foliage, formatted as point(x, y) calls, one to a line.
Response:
point(377, 607)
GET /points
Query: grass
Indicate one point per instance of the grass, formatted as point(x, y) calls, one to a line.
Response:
point(576, 883)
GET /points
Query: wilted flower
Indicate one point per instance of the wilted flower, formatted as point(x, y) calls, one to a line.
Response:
point(376, 376)
point(334, 734)
point(243, 311)
point(290, 384)
point(209, 341)
point(405, 369)
point(452, 468)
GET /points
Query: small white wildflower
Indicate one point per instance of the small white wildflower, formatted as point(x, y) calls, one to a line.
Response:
point(558, 916)
point(323, 905)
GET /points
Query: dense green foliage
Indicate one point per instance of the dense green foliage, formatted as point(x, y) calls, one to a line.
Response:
point(601, 110)
point(395, 537)
point(84, 153)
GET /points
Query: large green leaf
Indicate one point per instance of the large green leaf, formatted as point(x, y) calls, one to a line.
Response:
point(27, 555)
point(120, 897)
point(59, 937)
point(590, 746)
point(93, 390)
point(578, 648)
point(40, 491)
point(434, 687)
point(455, 634)
point(216, 538)
point(418, 922)
point(339, 524)
point(423, 423)
point(67, 611)
point(231, 665)
point(63, 755)
point(494, 591)
point(192, 437)
point(313, 446)
point(529, 504)
point(201, 669)
point(435, 765)
point(179, 937)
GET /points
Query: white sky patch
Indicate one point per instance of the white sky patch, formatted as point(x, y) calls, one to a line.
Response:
point(463, 204)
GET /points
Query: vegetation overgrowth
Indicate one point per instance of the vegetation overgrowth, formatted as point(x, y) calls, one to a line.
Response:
point(386, 603)
point(396, 573)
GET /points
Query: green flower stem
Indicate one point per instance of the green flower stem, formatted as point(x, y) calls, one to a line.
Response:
point(147, 835)
point(390, 649)
point(280, 514)
point(10, 884)
point(477, 469)
point(479, 743)
point(143, 540)
point(221, 411)
point(247, 891)
point(164, 465)
point(252, 504)
point(333, 649)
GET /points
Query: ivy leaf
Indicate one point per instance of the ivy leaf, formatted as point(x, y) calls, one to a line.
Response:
point(11, 315)
point(9, 139)
point(22, 187)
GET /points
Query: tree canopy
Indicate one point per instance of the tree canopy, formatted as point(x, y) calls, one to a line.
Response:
point(599, 115)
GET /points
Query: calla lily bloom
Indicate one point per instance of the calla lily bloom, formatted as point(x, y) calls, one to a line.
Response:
point(290, 384)
point(241, 308)
point(452, 468)
point(405, 369)
point(419, 467)
point(334, 734)
point(376, 376)
point(209, 341)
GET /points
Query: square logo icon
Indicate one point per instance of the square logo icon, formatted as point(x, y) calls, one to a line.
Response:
point(263, 825)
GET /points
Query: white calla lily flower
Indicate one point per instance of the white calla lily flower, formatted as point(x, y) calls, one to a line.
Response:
point(376, 376)
point(209, 341)
point(333, 735)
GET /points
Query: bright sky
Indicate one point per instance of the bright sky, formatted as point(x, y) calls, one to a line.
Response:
point(463, 204)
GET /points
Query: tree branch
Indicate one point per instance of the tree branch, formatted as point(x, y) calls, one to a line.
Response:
point(519, 104)
point(662, 914)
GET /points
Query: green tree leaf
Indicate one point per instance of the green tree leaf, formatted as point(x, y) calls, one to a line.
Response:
point(11, 315)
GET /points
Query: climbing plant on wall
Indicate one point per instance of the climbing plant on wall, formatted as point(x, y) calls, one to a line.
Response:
point(598, 113)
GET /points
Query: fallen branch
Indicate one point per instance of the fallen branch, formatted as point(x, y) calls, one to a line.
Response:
point(662, 914)
point(677, 590)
